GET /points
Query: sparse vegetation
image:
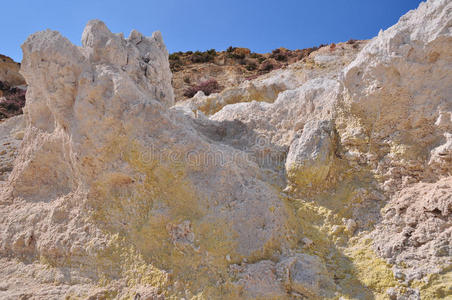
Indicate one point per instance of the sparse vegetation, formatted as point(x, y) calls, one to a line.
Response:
point(280, 55)
point(234, 55)
point(208, 87)
point(251, 66)
point(230, 49)
point(174, 56)
point(175, 65)
point(178, 59)
point(266, 66)
point(202, 57)
point(240, 61)
point(12, 102)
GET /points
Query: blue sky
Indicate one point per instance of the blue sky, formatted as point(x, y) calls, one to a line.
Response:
point(261, 25)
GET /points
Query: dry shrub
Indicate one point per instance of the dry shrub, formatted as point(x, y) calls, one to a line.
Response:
point(208, 87)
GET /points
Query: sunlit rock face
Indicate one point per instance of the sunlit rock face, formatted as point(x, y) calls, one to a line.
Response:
point(398, 96)
point(334, 183)
point(105, 170)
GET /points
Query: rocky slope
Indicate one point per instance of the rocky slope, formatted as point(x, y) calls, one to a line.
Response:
point(9, 72)
point(229, 68)
point(328, 179)
point(12, 88)
point(323, 62)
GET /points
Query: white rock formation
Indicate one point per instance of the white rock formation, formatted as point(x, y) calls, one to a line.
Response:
point(396, 90)
point(398, 94)
point(334, 186)
point(312, 154)
point(11, 135)
point(102, 156)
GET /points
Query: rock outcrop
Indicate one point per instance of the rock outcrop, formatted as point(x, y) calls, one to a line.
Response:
point(12, 88)
point(9, 72)
point(335, 183)
point(106, 171)
point(397, 95)
point(229, 68)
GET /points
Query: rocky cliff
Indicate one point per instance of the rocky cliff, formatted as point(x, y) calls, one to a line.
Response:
point(328, 179)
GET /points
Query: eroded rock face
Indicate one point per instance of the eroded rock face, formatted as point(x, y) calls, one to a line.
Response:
point(391, 113)
point(416, 227)
point(396, 119)
point(334, 186)
point(397, 95)
point(310, 158)
point(106, 171)
point(11, 133)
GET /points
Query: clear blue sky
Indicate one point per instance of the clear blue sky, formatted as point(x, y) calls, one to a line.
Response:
point(261, 25)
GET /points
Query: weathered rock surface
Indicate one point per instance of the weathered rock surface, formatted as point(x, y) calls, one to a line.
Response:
point(258, 280)
point(397, 96)
point(11, 135)
point(12, 88)
point(104, 164)
point(9, 72)
point(310, 157)
point(417, 227)
point(335, 183)
point(306, 275)
point(391, 116)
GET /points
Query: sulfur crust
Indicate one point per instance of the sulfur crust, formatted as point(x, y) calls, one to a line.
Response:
point(357, 269)
point(436, 286)
point(136, 202)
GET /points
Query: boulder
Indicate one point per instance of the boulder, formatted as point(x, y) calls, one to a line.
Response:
point(306, 275)
point(311, 156)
